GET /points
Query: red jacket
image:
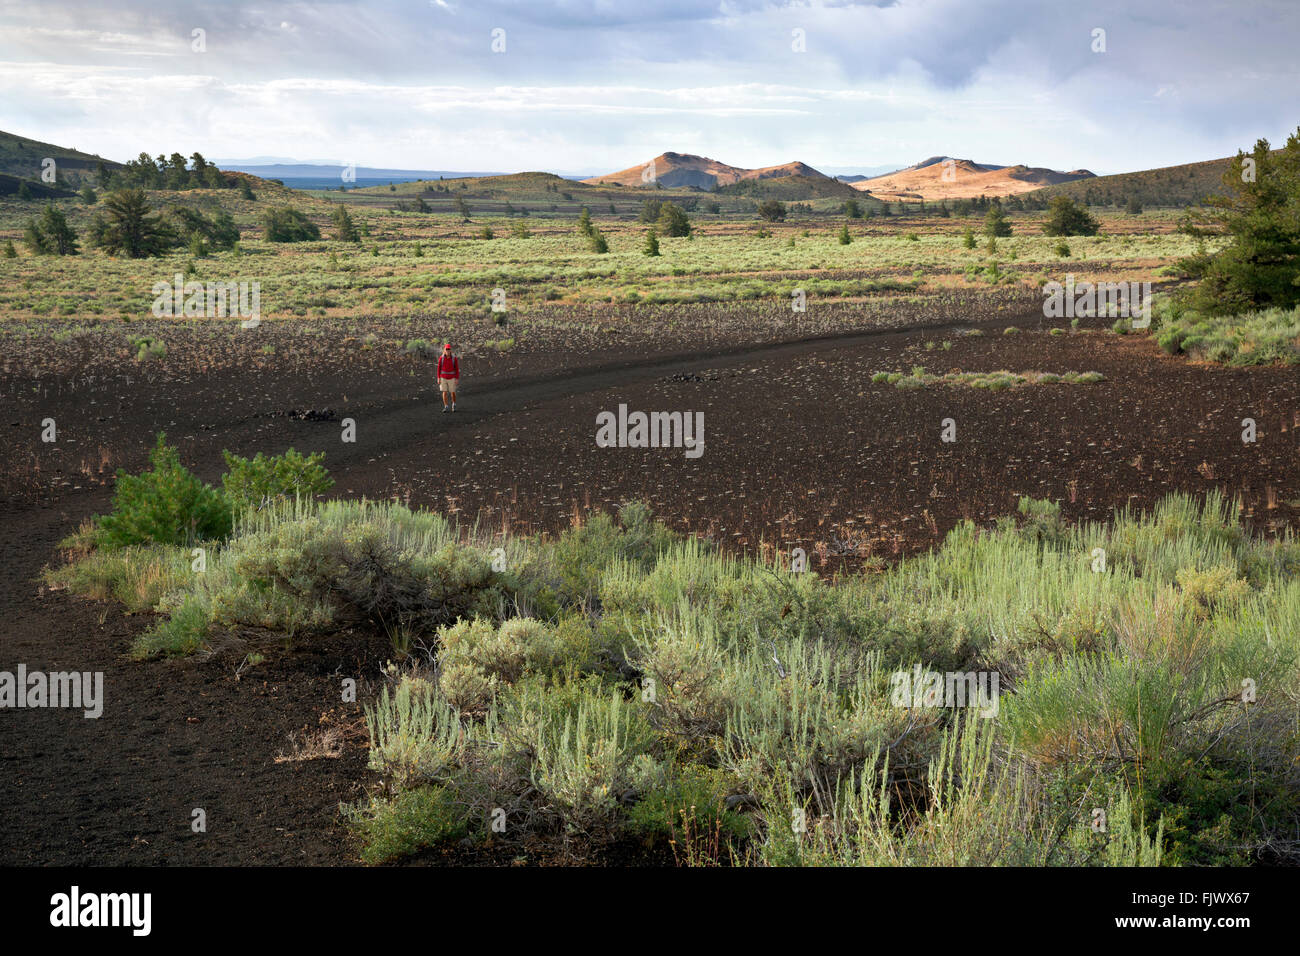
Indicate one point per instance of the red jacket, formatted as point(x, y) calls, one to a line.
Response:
point(448, 366)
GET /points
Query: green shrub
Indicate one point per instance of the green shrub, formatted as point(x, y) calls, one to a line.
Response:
point(580, 744)
point(148, 347)
point(414, 820)
point(139, 576)
point(165, 504)
point(1255, 338)
point(315, 573)
point(287, 224)
point(183, 632)
point(692, 804)
point(256, 481)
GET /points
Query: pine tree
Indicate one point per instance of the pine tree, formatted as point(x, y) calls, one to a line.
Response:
point(346, 229)
point(672, 220)
point(1260, 213)
point(34, 239)
point(651, 243)
point(1066, 218)
point(131, 229)
point(996, 223)
point(61, 237)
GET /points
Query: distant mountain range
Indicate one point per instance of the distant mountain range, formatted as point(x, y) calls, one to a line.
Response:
point(938, 177)
point(330, 176)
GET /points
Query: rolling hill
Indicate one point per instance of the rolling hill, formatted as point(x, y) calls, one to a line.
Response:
point(23, 158)
point(1185, 185)
point(683, 169)
point(795, 187)
point(943, 177)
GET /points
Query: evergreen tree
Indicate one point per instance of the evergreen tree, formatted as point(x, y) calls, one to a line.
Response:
point(1260, 215)
point(650, 210)
point(34, 239)
point(651, 243)
point(345, 228)
point(130, 227)
point(1066, 218)
point(59, 236)
point(996, 223)
point(672, 221)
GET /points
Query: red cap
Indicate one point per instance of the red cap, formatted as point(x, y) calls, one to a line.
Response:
point(447, 347)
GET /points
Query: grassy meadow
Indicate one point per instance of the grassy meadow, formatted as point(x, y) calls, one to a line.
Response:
point(416, 264)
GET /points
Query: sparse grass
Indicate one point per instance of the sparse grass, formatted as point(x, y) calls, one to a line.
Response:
point(1256, 338)
point(993, 381)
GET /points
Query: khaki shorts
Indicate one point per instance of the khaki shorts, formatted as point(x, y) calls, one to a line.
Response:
point(448, 384)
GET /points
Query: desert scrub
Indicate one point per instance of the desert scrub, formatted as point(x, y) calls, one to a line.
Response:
point(580, 742)
point(688, 805)
point(147, 347)
point(415, 733)
point(262, 479)
point(183, 631)
point(477, 657)
point(1146, 666)
point(411, 821)
point(354, 563)
point(1255, 338)
point(139, 576)
point(992, 381)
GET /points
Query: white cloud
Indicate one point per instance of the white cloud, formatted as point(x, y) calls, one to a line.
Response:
point(591, 84)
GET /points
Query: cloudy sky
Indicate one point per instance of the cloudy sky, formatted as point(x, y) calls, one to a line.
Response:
point(598, 85)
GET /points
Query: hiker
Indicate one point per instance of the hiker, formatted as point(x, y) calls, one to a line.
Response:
point(448, 376)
